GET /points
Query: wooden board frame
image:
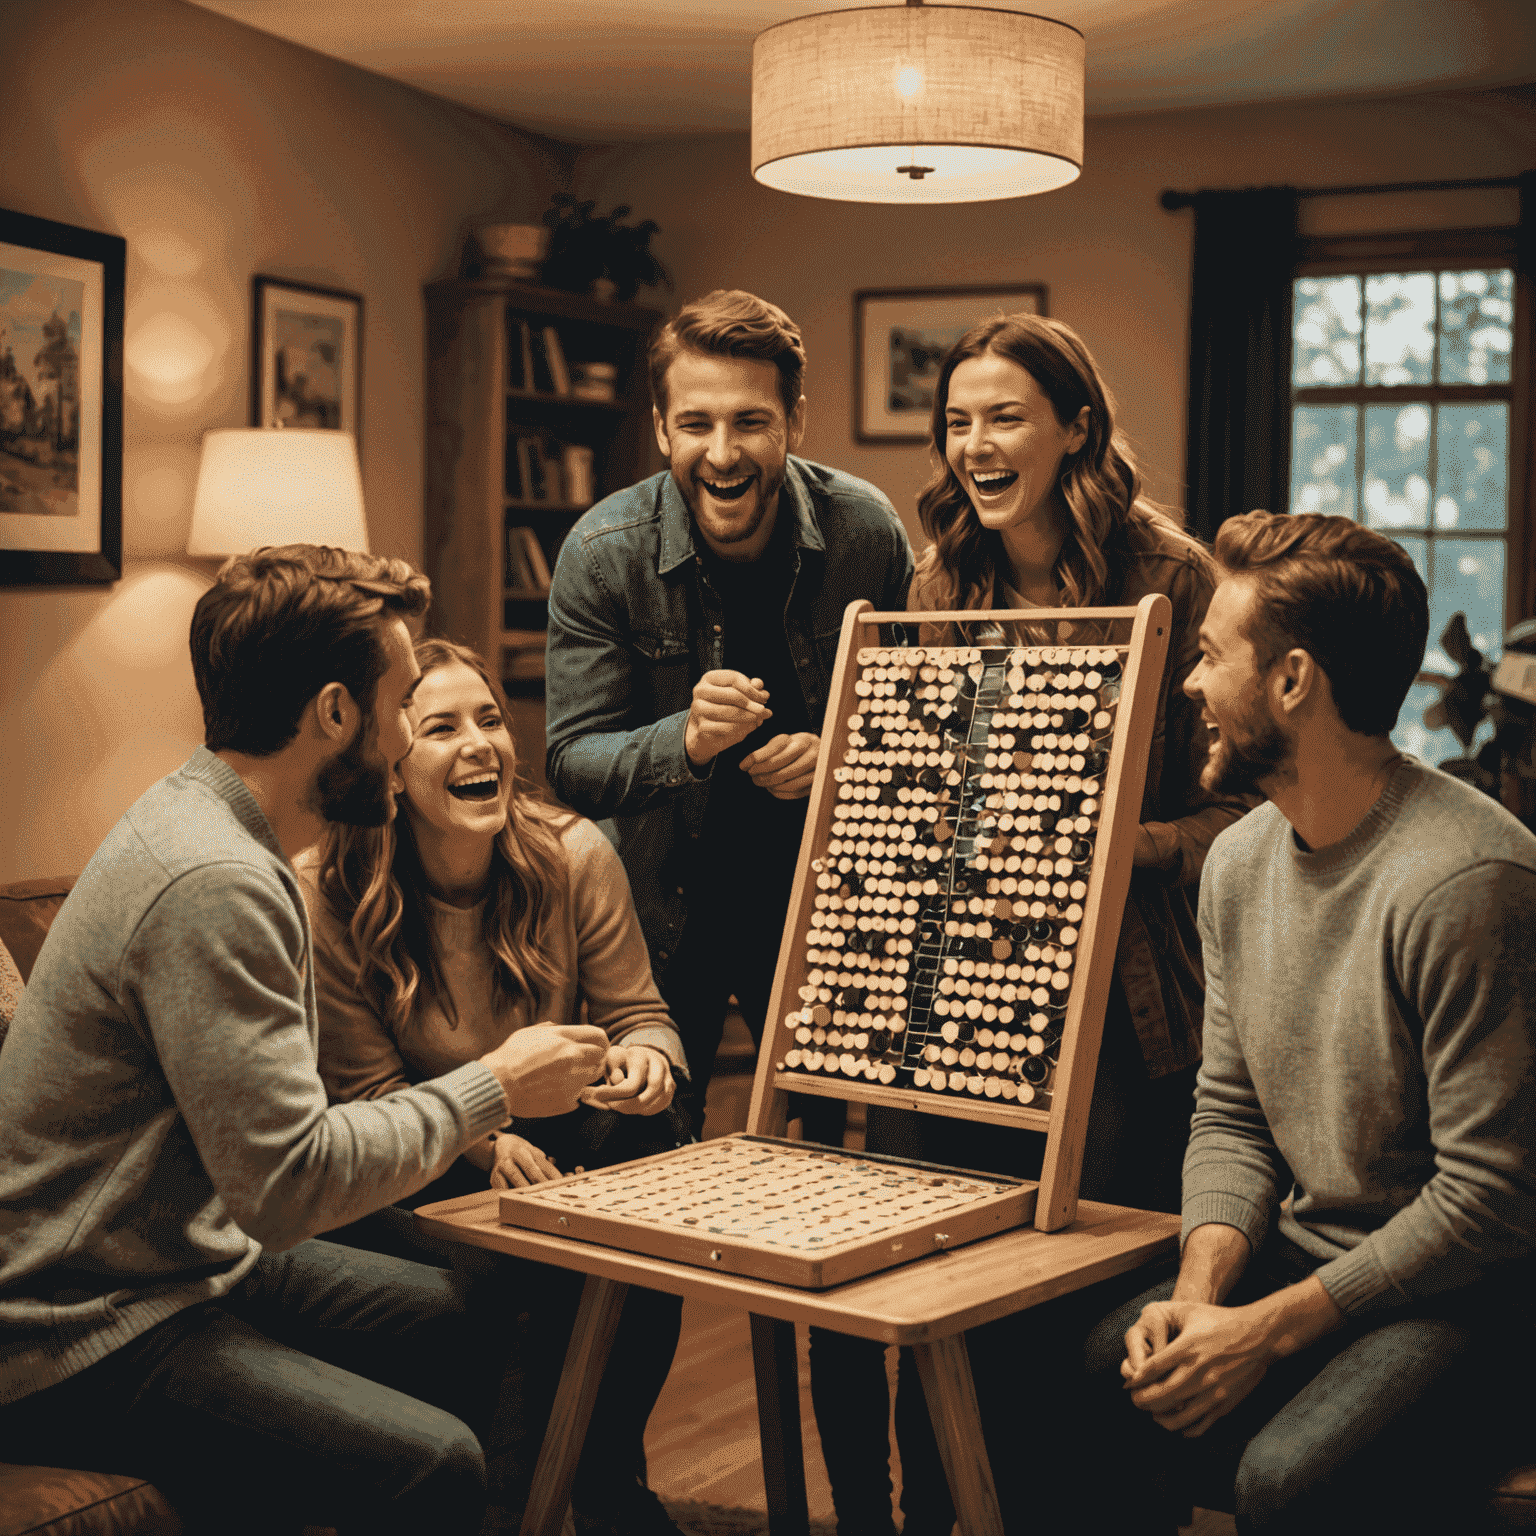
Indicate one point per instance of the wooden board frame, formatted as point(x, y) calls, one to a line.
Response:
point(1144, 656)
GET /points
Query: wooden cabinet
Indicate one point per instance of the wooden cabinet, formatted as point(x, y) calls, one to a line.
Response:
point(508, 434)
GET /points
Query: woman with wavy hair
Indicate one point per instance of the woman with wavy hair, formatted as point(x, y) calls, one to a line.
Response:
point(481, 909)
point(1036, 502)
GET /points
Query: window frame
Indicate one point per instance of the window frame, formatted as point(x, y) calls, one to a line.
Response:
point(1440, 251)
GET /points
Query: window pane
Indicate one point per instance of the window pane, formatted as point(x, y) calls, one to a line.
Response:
point(1399, 327)
point(1323, 459)
point(1325, 331)
point(1410, 733)
point(1395, 482)
point(1477, 320)
point(1468, 577)
point(1472, 480)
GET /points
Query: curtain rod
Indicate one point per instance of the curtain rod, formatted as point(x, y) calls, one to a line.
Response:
point(1173, 201)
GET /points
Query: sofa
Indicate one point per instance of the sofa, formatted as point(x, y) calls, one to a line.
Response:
point(50, 1501)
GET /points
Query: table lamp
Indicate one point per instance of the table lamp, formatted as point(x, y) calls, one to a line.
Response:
point(277, 485)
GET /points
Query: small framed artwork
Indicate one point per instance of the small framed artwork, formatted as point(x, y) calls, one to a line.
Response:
point(61, 403)
point(308, 369)
point(900, 338)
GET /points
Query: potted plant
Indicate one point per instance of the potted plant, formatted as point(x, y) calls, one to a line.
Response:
point(589, 250)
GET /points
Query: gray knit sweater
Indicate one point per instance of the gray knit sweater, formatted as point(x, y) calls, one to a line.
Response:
point(161, 1116)
point(1370, 1042)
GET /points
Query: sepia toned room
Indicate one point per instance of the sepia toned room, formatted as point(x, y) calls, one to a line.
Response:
point(423, 284)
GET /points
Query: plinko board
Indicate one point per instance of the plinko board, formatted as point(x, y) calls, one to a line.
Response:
point(967, 852)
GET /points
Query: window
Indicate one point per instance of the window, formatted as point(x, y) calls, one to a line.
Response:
point(1402, 400)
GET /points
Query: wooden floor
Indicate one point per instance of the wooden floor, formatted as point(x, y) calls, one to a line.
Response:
point(702, 1440)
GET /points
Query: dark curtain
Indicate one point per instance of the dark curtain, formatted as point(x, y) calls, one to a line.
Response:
point(1240, 354)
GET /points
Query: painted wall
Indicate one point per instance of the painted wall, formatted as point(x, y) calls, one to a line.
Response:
point(218, 152)
point(1116, 265)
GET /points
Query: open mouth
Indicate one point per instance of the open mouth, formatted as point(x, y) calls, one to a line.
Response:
point(483, 788)
point(729, 490)
point(992, 481)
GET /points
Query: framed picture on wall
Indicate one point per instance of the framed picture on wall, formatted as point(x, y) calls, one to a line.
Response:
point(61, 403)
point(901, 336)
point(308, 357)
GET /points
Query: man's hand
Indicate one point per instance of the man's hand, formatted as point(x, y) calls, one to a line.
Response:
point(543, 1068)
point(637, 1081)
point(785, 766)
point(519, 1164)
point(1187, 1362)
point(727, 707)
point(1190, 1362)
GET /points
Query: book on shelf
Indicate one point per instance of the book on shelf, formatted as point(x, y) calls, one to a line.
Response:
point(530, 468)
point(527, 570)
point(522, 655)
point(594, 381)
point(554, 356)
point(520, 356)
point(577, 461)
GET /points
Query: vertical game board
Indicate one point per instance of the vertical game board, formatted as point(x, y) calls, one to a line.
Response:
point(967, 853)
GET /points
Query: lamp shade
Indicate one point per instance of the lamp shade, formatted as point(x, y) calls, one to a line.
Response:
point(918, 104)
point(270, 485)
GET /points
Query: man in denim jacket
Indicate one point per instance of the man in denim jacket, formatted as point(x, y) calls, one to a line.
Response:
point(693, 626)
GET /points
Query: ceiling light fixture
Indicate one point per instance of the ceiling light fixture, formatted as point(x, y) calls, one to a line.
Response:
point(918, 103)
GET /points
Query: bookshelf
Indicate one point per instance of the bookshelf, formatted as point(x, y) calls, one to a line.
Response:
point(509, 449)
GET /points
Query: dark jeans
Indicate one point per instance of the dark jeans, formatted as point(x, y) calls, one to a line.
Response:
point(1398, 1423)
point(331, 1387)
point(540, 1301)
point(1133, 1155)
point(730, 948)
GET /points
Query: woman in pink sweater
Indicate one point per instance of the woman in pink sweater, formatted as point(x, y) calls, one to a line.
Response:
point(481, 909)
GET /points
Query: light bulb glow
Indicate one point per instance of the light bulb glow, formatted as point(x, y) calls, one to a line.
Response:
point(909, 82)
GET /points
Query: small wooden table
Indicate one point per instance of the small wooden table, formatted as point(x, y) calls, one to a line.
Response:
point(928, 1303)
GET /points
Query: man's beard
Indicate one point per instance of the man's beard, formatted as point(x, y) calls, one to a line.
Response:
point(766, 491)
point(353, 786)
point(1238, 766)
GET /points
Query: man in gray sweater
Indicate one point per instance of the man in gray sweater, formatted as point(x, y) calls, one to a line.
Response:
point(166, 1149)
point(1360, 1184)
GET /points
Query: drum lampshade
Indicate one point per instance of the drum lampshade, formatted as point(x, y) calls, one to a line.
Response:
point(918, 104)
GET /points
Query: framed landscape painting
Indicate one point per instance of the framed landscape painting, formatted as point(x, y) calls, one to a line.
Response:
point(61, 403)
point(308, 369)
point(900, 338)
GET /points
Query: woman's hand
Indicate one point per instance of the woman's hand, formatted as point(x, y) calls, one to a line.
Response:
point(519, 1163)
point(637, 1080)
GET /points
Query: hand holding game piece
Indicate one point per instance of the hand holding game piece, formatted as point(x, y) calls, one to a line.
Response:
point(785, 765)
point(542, 1069)
point(519, 1164)
point(727, 707)
point(637, 1080)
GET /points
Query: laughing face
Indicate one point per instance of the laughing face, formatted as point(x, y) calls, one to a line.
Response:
point(458, 776)
point(1248, 749)
point(727, 438)
point(1004, 443)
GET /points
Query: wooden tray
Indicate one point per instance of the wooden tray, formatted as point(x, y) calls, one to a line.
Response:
point(787, 1211)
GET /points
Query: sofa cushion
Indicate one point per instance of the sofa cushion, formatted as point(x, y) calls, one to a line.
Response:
point(27, 907)
point(10, 988)
point(50, 1501)
point(1514, 1501)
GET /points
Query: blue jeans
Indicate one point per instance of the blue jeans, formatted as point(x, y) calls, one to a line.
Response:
point(1396, 1423)
point(331, 1387)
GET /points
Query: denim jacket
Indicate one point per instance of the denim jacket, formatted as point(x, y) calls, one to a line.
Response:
point(634, 623)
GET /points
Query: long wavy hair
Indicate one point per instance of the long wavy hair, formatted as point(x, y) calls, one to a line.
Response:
point(1099, 484)
point(372, 880)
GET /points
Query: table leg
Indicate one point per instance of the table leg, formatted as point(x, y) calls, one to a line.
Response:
point(778, 1421)
point(945, 1369)
point(597, 1320)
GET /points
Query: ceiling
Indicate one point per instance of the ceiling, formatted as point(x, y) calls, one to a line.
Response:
point(594, 71)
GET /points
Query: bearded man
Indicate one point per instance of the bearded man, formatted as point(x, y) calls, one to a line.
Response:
point(167, 1154)
point(693, 626)
point(1360, 1186)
